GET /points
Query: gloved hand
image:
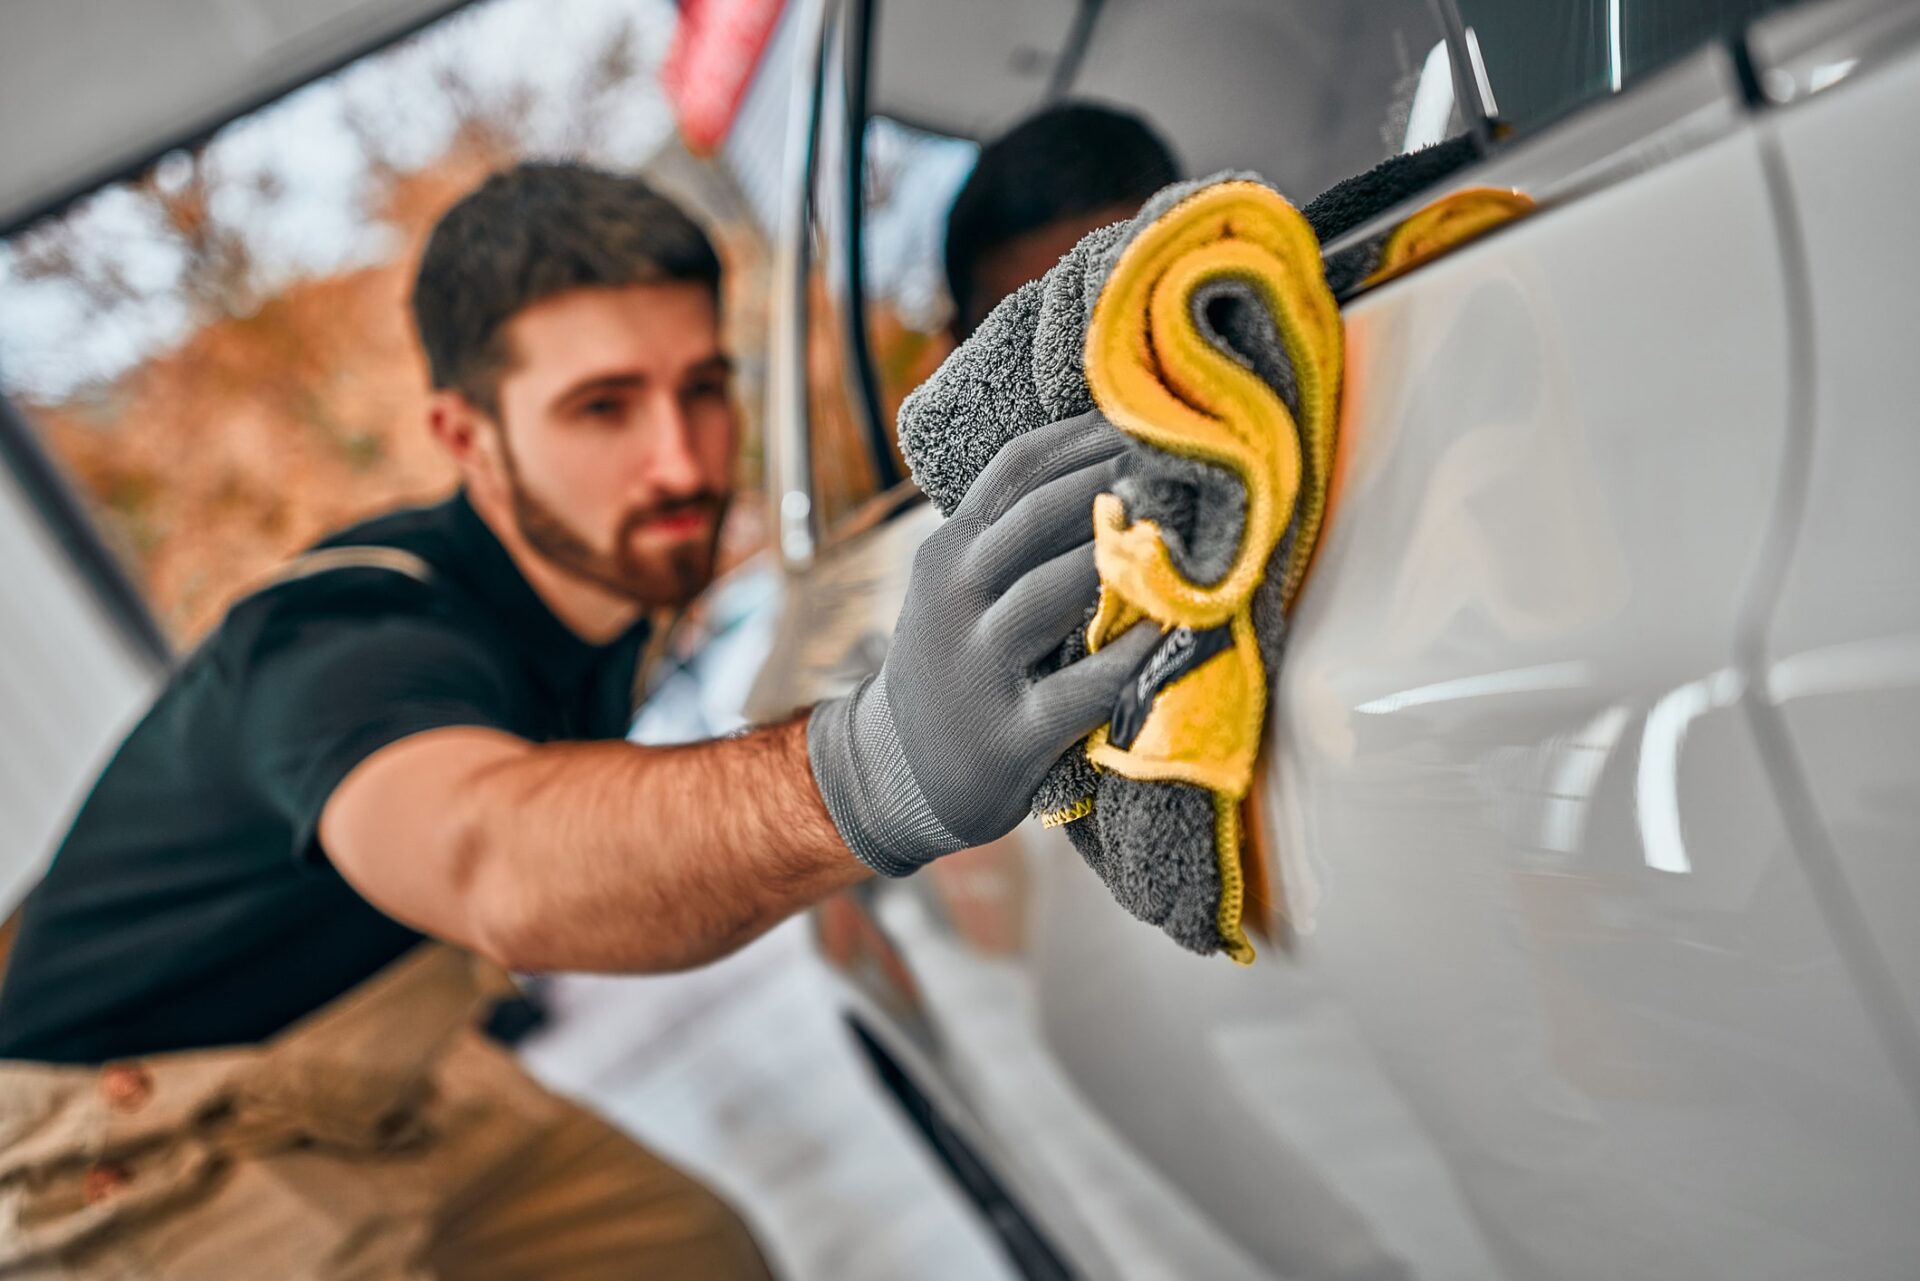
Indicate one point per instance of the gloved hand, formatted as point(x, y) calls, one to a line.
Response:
point(945, 746)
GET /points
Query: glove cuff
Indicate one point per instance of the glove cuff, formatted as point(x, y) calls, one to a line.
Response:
point(869, 789)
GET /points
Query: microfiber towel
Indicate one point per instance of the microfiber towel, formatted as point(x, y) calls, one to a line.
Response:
point(1222, 280)
point(1438, 226)
point(1204, 330)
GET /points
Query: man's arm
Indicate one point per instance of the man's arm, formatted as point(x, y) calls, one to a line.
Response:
point(608, 856)
point(588, 856)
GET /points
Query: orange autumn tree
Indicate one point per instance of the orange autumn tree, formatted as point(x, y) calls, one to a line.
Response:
point(211, 462)
point(289, 415)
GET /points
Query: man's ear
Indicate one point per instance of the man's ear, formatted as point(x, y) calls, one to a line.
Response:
point(471, 438)
point(457, 424)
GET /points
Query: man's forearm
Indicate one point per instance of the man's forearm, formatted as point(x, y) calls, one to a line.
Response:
point(615, 857)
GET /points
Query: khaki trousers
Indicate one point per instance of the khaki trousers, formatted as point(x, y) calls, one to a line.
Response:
point(380, 1137)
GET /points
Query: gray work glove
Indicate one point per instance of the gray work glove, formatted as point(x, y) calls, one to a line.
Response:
point(944, 747)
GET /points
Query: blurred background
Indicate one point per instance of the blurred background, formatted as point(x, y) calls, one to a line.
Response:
point(217, 349)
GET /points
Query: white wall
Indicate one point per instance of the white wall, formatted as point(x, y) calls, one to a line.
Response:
point(69, 685)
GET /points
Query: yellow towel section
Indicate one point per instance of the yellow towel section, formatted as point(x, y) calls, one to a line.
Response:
point(1448, 222)
point(1158, 378)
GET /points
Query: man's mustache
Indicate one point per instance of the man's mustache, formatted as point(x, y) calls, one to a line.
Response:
point(707, 502)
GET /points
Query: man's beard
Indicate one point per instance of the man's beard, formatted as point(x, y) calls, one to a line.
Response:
point(671, 578)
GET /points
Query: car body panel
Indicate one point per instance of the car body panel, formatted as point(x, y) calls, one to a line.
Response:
point(1530, 838)
point(71, 683)
point(1843, 648)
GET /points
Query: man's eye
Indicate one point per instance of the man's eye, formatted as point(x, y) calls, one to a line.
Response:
point(602, 407)
point(707, 391)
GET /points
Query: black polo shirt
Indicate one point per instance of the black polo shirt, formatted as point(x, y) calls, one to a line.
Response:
point(190, 904)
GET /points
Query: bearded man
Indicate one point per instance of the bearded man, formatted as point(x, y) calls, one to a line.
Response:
point(238, 1021)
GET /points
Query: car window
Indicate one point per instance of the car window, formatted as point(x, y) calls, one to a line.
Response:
point(911, 179)
point(844, 473)
point(217, 351)
point(863, 359)
point(1536, 60)
point(1202, 75)
point(861, 365)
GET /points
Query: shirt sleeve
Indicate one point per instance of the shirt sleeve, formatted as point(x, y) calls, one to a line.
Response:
point(328, 693)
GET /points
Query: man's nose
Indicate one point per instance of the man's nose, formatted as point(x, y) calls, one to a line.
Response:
point(673, 455)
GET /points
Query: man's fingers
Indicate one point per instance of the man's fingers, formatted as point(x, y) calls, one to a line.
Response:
point(1079, 698)
point(1049, 521)
point(1034, 615)
point(1029, 461)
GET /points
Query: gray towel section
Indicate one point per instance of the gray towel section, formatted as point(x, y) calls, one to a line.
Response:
point(981, 397)
point(1151, 843)
point(1346, 205)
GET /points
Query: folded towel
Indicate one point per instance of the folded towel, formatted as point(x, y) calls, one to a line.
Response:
point(1204, 329)
point(1443, 224)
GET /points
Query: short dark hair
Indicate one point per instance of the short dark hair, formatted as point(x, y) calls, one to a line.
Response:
point(1068, 161)
point(532, 231)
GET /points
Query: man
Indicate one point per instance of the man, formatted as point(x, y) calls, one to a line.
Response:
point(239, 1009)
point(1036, 190)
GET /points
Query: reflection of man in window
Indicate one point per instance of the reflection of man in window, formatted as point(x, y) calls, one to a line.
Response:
point(238, 1017)
point(1036, 190)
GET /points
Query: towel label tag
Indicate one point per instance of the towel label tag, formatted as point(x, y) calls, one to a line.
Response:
point(1179, 652)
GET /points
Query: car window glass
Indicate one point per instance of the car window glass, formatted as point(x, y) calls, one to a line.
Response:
point(1216, 105)
point(1540, 60)
point(912, 177)
point(843, 470)
point(909, 178)
point(1305, 95)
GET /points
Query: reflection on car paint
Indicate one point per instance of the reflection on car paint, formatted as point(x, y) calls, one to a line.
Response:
point(1444, 225)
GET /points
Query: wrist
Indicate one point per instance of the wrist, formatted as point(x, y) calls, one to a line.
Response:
point(869, 790)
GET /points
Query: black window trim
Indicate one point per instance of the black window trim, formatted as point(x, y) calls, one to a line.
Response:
point(805, 535)
point(798, 482)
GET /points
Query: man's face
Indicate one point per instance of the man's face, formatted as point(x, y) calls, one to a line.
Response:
point(1012, 263)
point(617, 434)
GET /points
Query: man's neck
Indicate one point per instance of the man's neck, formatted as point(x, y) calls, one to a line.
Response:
point(589, 611)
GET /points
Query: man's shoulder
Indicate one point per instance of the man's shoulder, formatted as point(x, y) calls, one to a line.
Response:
point(424, 529)
point(393, 572)
point(396, 561)
point(363, 640)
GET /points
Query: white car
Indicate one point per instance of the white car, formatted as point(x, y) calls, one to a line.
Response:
point(1591, 800)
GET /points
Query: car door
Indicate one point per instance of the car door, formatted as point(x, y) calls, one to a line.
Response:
point(1842, 648)
point(1534, 833)
point(1553, 991)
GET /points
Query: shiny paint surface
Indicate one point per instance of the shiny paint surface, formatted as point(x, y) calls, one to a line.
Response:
point(1843, 648)
point(1529, 839)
